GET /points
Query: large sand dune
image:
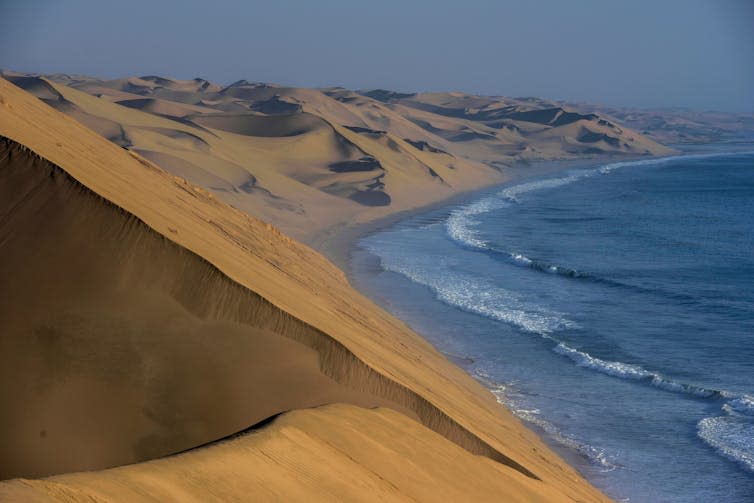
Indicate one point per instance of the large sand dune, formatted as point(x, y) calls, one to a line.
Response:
point(141, 312)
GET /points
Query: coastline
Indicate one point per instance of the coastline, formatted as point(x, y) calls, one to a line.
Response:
point(258, 280)
point(364, 264)
point(337, 243)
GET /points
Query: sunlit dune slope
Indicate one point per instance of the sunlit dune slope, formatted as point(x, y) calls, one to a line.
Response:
point(147, 284)
point(335, 453)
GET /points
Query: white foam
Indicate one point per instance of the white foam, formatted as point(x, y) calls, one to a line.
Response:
point(732, 434)
point(635, 372)
point(613, 368)
point(466, 291)
point(483, 298)
point(742, 405)
point(513, 192)
point(460, 224)
point(671, 158)
point(521, 259)
point(596, 455)
point(479, 296)
point(732, 437)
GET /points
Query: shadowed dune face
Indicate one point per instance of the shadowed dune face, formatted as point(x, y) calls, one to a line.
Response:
point(37, 87)
point(118, 346)
point(40, 88)
point(365, 130)
point(678, 126)
point(358, 165)
point(498, 129)
point(268, 126)
point(386, 96)
point(162, 107)
point(423, 145)
point(275, 106)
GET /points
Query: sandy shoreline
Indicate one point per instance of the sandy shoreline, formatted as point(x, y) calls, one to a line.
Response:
point(337, 243)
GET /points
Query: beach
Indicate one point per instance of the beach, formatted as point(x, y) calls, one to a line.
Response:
point(338, 243)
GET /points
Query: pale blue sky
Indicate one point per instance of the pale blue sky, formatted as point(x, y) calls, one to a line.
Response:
point(650, 53)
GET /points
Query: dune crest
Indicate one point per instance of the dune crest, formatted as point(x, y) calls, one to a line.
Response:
point(333, 453)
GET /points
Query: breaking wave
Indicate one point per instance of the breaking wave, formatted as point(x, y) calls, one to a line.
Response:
point(636, 373)
point(475, 295)
point(732, 434)
point(461, 224)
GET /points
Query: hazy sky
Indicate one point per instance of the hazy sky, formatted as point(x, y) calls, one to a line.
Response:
point(695, 53)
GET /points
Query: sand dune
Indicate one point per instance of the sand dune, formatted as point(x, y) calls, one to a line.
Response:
point(154, 282)
point(497, 129)
point(334, 453)
point(294, 158)
point(262, 125)
point(297, 143)
point(163, 107)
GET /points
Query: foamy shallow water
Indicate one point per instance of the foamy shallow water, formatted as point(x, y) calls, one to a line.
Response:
point(610, 307)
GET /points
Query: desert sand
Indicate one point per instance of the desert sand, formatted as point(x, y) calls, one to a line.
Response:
point(313, 161)
point(143, 315)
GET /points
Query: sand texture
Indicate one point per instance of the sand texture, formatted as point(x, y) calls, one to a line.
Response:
point(334, 453)
point(142, 316)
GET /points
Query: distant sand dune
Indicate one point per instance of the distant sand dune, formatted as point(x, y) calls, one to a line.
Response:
point(163, 107)
point(262, 125)
point(294, 141)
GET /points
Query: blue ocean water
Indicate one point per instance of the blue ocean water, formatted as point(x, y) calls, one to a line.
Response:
point(611, 307)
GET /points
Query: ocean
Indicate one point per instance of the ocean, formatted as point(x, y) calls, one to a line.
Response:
point(610, 307)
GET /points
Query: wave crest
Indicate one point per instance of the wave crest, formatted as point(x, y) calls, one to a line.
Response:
point(636, 372)
point(481, 298)
point(731, 437)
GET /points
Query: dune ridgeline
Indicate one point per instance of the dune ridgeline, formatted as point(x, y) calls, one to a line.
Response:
point(147, 319)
